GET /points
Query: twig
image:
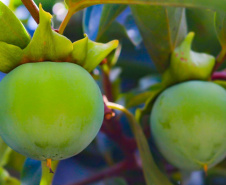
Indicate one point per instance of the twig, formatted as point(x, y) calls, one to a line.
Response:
point(108, 113)
point(219, 75)
point(32, 8)
point(112, 127)
point(65, 22)
point(112, 171)
point(107, 84)
point(220, 59)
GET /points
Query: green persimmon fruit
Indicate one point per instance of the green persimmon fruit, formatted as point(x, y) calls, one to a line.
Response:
point(188, 123)
point(49, 110)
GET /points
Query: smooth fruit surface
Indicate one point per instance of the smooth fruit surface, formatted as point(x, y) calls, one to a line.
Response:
point(188, 123)
point(49, 110)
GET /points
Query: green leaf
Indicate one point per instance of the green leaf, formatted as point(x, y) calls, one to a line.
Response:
point(109, 13)
point(152, 174)
point(10, 57)
point(146, 110)
point(143, 97)
point(220, 25)
point(5, 178)
point(76, 5)
point(15, 161)
point(186, 64)
point(89, 54)
point(202, 23)
point(46, 44)
point(12, 30)
point(115, 181)
point(162, 30)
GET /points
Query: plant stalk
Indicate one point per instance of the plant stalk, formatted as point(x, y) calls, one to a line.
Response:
point(220, 59)
point(32, 8)
point(47, 177)
point(65, 22)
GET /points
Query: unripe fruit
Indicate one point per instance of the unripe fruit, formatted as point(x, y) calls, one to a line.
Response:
point(188, 123)
point(49, 110)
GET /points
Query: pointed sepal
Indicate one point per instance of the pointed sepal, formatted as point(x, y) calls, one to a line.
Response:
point(46, 44)
point(186, 64)
point(89, 54)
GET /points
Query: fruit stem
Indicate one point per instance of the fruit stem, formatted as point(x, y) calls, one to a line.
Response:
point(32, 8)
point(205, 168)
point(143, 147)
point(48, 168)
point(65, 22)
point(220, 58)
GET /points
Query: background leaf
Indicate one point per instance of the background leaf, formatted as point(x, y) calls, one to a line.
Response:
point(32, 171)
point(76, 5)
point(162, 30)
point(91, 21)
point(202, 23)
point(220, 23)
point(108, 15)
point(12, 30)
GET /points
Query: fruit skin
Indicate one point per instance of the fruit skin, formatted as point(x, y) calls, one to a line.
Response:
point(49, 110)
point(188, 123)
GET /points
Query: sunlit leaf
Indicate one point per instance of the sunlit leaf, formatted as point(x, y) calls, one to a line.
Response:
point(162, 30)
point(12, 30)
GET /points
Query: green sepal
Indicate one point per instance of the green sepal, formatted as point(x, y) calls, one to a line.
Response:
point(10, 57)
point(186, 64)
point(12, 30)
point(89, 54)
point(46, 44)
point(113, 57)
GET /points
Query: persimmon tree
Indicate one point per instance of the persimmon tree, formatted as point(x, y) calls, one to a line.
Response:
point(65, 98)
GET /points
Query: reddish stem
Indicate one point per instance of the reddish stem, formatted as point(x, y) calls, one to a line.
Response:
point(109, 172)
point(220, 59)
point(107, 86)
point(113, 129)
point(32, 8)
point(219, 75)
